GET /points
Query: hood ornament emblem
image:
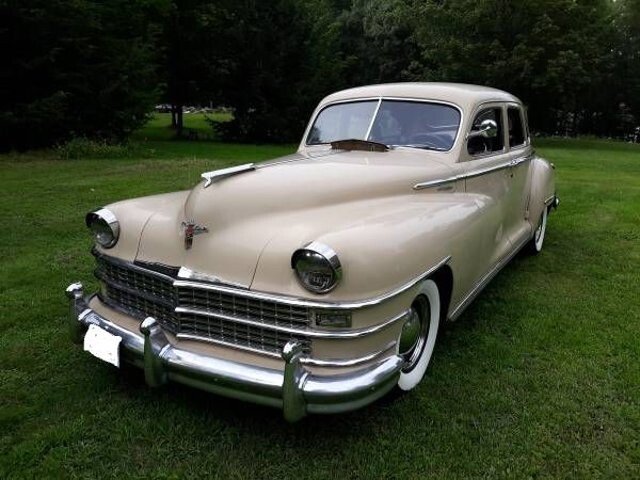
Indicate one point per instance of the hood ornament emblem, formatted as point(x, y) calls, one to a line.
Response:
point(190, 229)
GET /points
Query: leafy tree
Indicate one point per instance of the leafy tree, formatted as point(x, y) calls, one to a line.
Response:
point(267, 70)
point(554, 54)
point(194, 54)
point(625, 83)
point(74, 67)
point(93, 68)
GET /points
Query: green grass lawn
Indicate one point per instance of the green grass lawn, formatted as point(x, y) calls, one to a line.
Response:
point(158, 127)
point(539, 378)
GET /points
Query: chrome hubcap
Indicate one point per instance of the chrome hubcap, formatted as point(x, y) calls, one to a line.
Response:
point(414, 333)
point(410, 333)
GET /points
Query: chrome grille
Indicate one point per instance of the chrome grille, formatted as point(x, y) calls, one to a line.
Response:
point(141, 307)
point(267, 312)
point(142, 292)
point(136, 279)
point(235, 333)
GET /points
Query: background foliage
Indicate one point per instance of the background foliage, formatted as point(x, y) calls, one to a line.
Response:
point(95, 69)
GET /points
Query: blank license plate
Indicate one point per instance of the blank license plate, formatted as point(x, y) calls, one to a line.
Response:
point(103, 345)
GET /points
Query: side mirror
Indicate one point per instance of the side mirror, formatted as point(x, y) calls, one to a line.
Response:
point(488, 129)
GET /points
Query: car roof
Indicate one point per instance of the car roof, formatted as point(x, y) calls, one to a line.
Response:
point(464, 95)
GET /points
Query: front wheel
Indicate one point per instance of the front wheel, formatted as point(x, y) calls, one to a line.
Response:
point(418, 336)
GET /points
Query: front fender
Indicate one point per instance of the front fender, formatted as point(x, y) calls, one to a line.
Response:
point(384, 246)
point(133, 216)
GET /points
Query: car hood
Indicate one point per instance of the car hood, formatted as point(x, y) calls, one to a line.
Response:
point(302, 195)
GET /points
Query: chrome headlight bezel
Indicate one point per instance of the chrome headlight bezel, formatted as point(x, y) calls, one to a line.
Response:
point(105, 219)
point(326, 263)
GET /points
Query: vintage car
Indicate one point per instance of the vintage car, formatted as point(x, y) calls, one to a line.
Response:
point(317, 282)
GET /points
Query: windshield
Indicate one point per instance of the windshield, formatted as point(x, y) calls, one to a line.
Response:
point(395, 123)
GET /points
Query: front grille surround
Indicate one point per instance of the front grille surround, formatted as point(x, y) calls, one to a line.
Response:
point(211, 315)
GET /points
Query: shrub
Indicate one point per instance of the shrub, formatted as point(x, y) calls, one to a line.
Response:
point(82, 147)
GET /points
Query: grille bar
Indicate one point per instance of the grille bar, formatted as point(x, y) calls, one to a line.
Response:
point(223, 317)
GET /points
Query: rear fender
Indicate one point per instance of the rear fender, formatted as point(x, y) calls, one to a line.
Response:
point(542, 188)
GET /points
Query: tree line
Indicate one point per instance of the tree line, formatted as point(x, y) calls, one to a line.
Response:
point(95, 68)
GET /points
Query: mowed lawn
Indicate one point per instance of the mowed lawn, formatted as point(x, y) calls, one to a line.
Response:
point(539, 378)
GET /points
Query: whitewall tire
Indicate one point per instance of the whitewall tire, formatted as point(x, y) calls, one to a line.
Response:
point(418, 340)
point(535, 246)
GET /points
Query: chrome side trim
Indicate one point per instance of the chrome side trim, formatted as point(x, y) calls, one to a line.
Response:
point(309, 333)
point(215, 175)
point(435, 183)
point(549, 200)
point(472, 173)
point(483, 171)
point(485, 280)
point(340, 305)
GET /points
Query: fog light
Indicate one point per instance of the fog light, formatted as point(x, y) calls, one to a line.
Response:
point(333, 319)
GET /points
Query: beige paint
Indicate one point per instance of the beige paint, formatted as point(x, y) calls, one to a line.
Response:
point(363, 205)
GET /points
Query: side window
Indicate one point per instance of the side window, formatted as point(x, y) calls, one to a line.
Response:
point(481, 145)
point(516, 128)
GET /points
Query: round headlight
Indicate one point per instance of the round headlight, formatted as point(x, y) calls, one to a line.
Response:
point(317, 267)
point(104, 226)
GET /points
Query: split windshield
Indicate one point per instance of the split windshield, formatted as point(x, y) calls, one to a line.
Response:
point(395, 123)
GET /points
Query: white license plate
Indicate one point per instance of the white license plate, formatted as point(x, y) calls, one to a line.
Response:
point(103, 345)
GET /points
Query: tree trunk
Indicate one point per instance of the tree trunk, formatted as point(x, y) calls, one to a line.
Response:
point(176, 119)
point(179, 123)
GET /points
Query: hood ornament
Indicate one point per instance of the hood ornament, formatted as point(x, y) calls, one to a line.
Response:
point(190, 229)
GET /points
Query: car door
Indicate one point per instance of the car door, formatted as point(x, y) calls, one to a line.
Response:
point(486, 172)
point(519, 154)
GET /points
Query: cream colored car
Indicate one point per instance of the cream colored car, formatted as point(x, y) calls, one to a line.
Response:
point(317, 282)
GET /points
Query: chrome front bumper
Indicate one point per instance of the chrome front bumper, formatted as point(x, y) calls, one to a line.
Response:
point(294, 389)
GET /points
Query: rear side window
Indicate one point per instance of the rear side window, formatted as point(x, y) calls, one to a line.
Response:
point(481, 145)
point(516, 128)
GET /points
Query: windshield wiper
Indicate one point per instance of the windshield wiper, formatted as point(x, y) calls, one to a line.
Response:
point(424, 146)
point(355, 144)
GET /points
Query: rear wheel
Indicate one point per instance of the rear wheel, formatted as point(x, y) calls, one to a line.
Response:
point(418, 336)
point(535, 244)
